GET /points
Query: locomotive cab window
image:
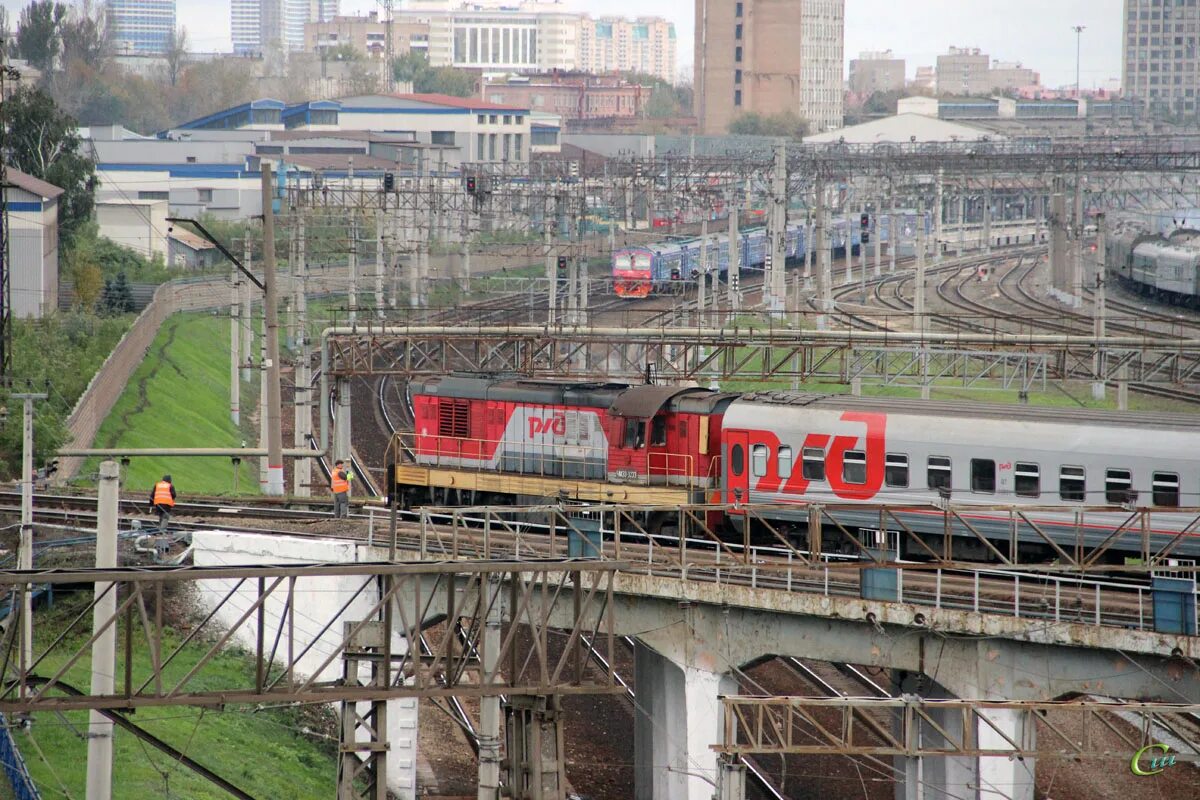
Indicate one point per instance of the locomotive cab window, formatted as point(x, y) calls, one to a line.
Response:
point(737, 460)
point(895, 470)
point(1118, 485)
point(1028, 480)
point(785, 462)
point(658, 432)
point(983, 475)
point(758, 460)
point(938, 473)
point(1072, 484)
point(1166, 489)
point(635, 434)
point(854, 467)
point(814, 464)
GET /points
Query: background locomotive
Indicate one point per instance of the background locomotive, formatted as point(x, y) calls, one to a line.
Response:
point(1165, 267)
point(494, 440)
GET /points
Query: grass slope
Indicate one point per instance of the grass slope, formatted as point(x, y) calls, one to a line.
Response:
point(179, 397)
point(263, 753)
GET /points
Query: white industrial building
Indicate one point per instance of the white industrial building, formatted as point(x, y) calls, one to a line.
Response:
point(33, 244)
point(904, 129)
point(140, 225)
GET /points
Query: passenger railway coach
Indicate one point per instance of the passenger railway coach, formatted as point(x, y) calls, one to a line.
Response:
point(488, 440)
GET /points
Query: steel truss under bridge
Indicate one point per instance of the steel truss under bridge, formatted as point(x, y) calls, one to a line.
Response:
point(763, 354)
point(398, 596)
point(915, 727)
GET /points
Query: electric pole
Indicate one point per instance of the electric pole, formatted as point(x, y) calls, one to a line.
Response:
point(274, 485)
point(25, 549)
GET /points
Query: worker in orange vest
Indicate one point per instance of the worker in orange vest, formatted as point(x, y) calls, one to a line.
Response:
point(162, 501)
point(339, 484)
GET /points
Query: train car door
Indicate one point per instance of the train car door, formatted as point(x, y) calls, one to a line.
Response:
point(737, 459)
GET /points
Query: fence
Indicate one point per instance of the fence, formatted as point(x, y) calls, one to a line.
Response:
point(15, 769)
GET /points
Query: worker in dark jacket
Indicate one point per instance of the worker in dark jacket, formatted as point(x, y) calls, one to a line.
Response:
point(162, 500)
point(339, 485)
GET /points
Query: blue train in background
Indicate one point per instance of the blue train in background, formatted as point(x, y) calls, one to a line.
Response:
point(666, 266)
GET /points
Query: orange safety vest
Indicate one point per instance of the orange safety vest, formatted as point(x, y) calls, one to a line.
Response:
point(162, 494)
point(338, 483)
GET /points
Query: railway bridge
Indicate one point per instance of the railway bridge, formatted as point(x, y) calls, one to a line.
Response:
point(700, 612)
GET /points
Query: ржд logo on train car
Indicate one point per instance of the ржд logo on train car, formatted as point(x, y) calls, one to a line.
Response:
point(555, 425)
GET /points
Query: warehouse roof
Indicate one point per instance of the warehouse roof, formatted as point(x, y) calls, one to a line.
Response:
point(21, 180)
point(904, 128)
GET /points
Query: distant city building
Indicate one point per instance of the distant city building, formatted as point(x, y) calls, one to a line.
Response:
point(969, 71)
point(1160, 62)
point(498, 36)
point(367, 35)
point(141, 26)
point(614, 44)
point(925, 80)
point(876, 72)
point(262, 25)
point(573, 98)
point(768, 57)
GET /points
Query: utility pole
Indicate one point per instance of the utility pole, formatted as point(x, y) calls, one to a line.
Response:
point(380, 216)
point(879, 238)
point(735, 261)
point(1079, 29)
point(919, 321)
point(489, 707)
point(862, 251)
point(939, 211)
point(247, 311)
point(302, 467)
point(274, 485)
point(774, 288)
point(824, 259)
point(1101, 308)
point(104, 648)
point(352, 297)
point(235, 327)
point(551, 268)
point(25, 550)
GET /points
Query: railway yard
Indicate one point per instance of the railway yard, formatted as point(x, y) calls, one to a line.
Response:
point(593, 511)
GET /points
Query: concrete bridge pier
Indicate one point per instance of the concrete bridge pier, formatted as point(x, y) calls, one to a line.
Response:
point(677, 721)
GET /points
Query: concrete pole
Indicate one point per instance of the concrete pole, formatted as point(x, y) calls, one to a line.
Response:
point(380, 217)
point(1077, 263)
point(247, 311)
point(342, 423)
point(919, 320)
point(465, 251)
point(302, 396)
point(235, 327)
point(987, 218)
point(777, 233)
point(271, 321)
point(962, 223)
point(939, 214)
point(489, 707)
point(847, 212)
point(1058, 241)
point(25, 550)
point(582, 266)
point(824, 259)
point(897, 226)
point(735, 261)
point(1100, 308)
point(551, 266)
point(104, 649)
point(731, 783)
point(809, 248)
point(702, 281)
point(263, 436)
point(572, 291)
point(352, 293)
point(862, 254)
point(879, 238)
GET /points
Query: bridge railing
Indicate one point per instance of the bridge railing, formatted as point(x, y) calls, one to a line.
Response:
point(1122, 595)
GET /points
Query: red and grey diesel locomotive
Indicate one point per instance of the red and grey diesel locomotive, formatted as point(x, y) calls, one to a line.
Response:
point(501, 440)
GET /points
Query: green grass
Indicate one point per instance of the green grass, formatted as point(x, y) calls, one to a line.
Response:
point(263, 753)
point(179, 397)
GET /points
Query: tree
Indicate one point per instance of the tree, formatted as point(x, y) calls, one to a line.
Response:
point(425, 79)
point(84, 34)
point(39, 33)
point(87, 277)
point(117, 297)
point(785, 123)
point(175, 54)
point(43, 143)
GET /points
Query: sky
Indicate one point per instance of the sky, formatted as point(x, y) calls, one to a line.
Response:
point(1035, 32)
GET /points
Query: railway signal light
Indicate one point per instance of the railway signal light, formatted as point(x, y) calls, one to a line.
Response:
point(562, 265)
point(866, 237)
point(675, 274)
point(472, 185)
point(865, 220)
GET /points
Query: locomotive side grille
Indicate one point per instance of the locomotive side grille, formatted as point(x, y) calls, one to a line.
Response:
point(454, 418)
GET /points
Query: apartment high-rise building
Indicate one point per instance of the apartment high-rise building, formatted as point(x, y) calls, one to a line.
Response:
point(963, 70)
point(262, 25)
point(768, 57)
point(367, 35)
point(614, 44)
point(876, 72)
point(1160, 58)
point(142, 27)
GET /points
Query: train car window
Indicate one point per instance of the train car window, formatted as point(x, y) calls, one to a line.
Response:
point(1166, 489)
point(1117, 485)
point(938, 472)
point(758, 460)
point(1028, 481)
point(983, 475)
point(895, 470)
point(1072, 484)
point(658, 432)
point(737, 460)
point(854, 467)
point(785, 462)
point(635, 434)
point(814, 464)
